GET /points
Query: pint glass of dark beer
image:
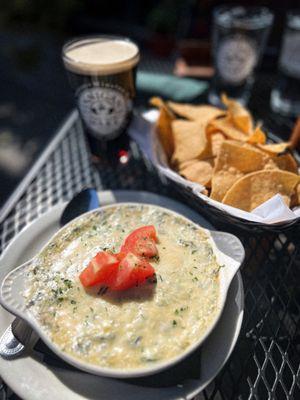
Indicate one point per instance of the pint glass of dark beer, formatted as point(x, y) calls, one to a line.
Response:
point(101, 71)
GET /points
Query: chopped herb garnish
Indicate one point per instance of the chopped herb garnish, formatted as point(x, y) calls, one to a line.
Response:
point(102, 290)
point(152, 279)
point(68, 283)
point(137, 340)
point(174, 322)
point(177, 311)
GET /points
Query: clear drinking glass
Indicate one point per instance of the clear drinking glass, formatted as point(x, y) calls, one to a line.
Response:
point(285, 97)
point(239, 37)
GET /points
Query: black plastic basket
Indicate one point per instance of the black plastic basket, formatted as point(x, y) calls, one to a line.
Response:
point(224, 220)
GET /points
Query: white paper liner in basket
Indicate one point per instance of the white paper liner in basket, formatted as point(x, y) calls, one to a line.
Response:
point(142, 132)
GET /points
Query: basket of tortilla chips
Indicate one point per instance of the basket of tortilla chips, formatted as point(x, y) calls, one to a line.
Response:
point(222, 159)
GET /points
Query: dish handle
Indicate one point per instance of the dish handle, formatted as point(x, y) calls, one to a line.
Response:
point(11, 292)
point(231, 247)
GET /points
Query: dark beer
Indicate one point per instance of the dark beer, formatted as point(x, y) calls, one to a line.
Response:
point(102, 73)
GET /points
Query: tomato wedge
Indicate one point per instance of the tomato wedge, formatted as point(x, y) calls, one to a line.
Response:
point(129, 267)
point(132, 271)
point(100, 269)
point(141, 242)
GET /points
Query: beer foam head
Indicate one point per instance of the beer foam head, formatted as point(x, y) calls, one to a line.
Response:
point(100, 55)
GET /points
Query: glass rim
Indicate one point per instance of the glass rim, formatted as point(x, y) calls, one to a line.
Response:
point(261, 17)
point(85, 39)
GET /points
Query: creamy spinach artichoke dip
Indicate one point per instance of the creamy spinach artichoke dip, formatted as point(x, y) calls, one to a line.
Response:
point(133, 328)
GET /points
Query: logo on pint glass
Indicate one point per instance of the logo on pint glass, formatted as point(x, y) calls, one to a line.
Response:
point(103, 109)
point(236, 59)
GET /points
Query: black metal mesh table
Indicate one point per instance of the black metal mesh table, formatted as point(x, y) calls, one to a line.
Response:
point(265, 362)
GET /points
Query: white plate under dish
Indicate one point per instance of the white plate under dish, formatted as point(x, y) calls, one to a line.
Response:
point(213, 354)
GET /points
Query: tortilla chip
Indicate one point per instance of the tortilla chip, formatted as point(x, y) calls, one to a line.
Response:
point(216, 141)
point(286, 162)
point(240, 116)
point(158, 102)
point(185, 164)
point(199, 171)
point(244, 158)
point(202, 113)
point(254, 189)
point(295, 198)
point(257, 137)
point(234, 160)
point(226, 126)
point(190, 141)
point(165, 133)
point(280, 155)
point(222, 181)
point(275, 148)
